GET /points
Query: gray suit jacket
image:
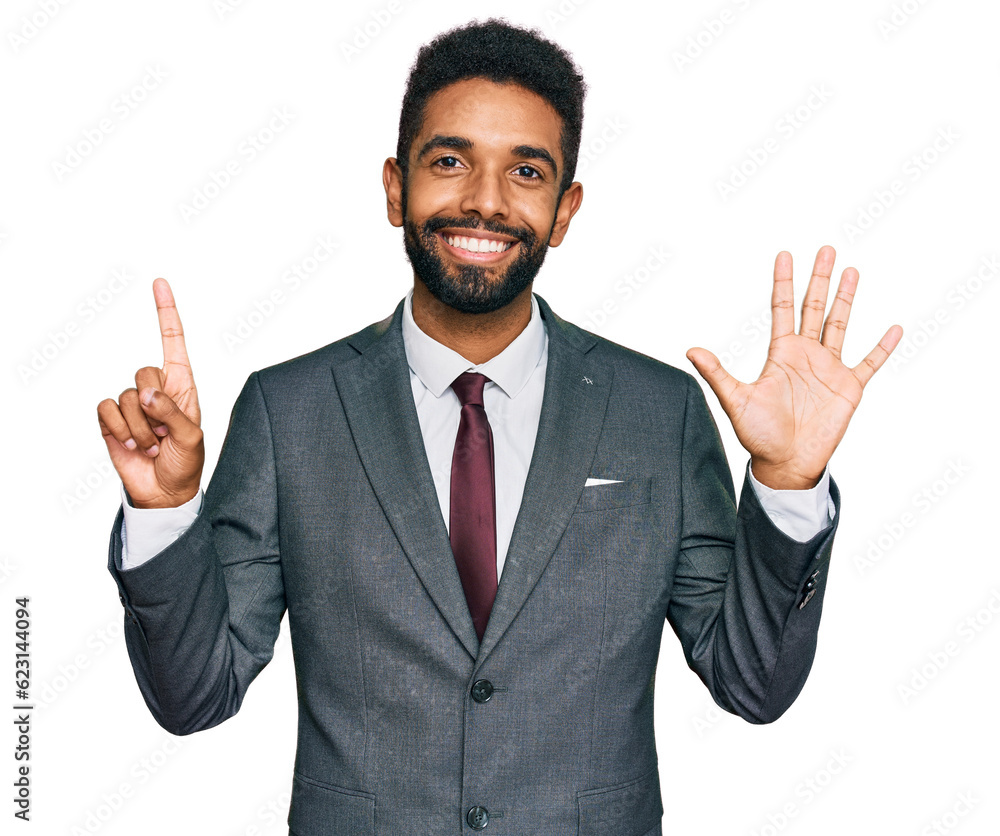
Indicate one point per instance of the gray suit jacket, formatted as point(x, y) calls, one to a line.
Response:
point(322, 503)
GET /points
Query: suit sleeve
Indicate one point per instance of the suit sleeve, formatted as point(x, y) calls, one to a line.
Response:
point(746, 598)
point(202, 616)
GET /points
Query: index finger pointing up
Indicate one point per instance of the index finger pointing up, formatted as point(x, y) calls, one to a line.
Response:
point(171, 330)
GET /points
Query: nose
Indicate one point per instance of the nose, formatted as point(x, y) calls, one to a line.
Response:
point(486, 194)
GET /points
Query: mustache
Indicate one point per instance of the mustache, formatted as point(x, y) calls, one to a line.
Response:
point(488, 225)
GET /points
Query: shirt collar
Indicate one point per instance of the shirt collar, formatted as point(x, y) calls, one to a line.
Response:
point(437, 365)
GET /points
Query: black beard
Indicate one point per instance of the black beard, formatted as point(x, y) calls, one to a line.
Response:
point(473, 290)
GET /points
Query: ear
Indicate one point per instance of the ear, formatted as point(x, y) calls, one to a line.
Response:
point(568, 206)
point(392, 180)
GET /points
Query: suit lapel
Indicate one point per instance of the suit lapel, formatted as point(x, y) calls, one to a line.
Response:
point(375, 391)
point(577, 385)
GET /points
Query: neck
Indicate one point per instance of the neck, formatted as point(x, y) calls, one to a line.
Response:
point(477, 337)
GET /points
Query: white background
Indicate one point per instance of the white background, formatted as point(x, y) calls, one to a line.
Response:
point(661, 134)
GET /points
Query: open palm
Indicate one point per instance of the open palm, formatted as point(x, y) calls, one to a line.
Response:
point(794, 415)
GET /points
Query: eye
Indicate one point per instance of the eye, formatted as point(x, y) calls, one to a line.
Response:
point(528, 171)
point(447, 162)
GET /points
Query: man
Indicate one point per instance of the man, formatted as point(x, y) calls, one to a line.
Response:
point(379, 487)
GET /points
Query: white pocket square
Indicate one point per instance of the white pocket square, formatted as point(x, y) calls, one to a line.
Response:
point(591, 482)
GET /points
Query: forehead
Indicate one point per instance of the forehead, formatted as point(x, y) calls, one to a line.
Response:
point(491, 114)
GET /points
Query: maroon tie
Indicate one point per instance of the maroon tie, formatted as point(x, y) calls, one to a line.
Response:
point(473, 526)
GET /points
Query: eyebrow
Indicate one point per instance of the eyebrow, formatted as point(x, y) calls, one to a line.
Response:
point(461, 143)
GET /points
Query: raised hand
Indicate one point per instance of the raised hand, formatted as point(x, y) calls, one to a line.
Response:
point(153, 432)
point(794, 415)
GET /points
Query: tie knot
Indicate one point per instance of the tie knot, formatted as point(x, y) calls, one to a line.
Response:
point(469, 388)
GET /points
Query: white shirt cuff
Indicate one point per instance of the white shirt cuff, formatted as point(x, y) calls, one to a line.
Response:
point(151, 530)
point(800, 515)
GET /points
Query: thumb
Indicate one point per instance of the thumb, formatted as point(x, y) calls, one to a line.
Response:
point(160, 407)
point(710, 368)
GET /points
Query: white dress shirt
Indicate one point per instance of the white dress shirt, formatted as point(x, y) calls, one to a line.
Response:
point(513, 403)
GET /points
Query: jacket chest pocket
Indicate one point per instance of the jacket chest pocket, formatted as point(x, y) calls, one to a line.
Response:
point(624, 494)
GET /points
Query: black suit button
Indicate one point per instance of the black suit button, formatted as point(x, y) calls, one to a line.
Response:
point(478, 818)
point(482, 690)
point(122, 599)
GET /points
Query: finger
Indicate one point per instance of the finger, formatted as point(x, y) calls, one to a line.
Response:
point(814, 302)
point(722, 382)
point(878, 355)
point(782, 297)
point(139, 426)
point(840, 312)
point(171, 330)
point(114, 427)
point(151, 377)
point(161, 409)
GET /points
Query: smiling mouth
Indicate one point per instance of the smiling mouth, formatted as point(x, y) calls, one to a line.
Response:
point(472, 245)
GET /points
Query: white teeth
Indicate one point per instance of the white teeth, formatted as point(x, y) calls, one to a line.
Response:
point(478, 245)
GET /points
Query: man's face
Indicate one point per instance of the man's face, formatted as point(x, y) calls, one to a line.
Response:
point(480, 205)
